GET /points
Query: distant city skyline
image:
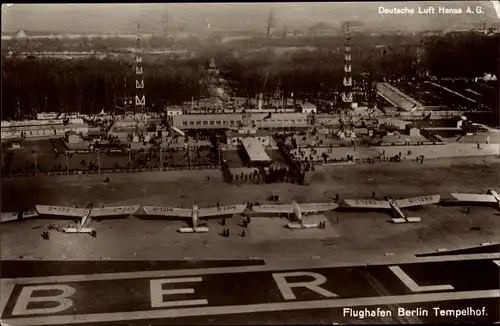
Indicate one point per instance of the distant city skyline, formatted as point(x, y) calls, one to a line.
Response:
point(123, 18)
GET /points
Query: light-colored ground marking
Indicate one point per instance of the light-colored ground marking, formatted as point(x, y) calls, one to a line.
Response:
point(240, 309)
point(239, 269)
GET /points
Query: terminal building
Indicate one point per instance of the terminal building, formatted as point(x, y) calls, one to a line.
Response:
point(287, 121)
point(42, 128)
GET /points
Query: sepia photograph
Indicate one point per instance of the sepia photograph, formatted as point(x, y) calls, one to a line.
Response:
point(249, 163)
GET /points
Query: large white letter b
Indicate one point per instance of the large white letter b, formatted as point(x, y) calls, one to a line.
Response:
point(25, 297)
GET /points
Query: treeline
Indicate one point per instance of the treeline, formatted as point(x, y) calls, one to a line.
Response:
point(98, 44)
point(312, 73)
point(462, 55)
point(321, 71)
point(91, 85)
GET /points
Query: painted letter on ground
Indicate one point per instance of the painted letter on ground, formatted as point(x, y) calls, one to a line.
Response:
point(157, 293)
point(286, 287)
point(25, 298)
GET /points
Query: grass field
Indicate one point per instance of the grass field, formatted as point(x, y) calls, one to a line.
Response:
point(23, 160)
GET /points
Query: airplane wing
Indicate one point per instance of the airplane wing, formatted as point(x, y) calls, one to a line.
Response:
point(367, 203)
point(273, 209)
point(59, 210)
point(418, 201)
point(221, 210)
point(114, 211)
point(317, 207)
point(168, 211)
point(474, 198)
point(13, 216)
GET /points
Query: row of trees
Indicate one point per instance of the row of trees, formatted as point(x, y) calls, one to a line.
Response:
point(308, 73)
point(98, 44)
point(91, 85)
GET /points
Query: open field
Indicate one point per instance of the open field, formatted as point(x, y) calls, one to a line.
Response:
point(22, 160)
point(455, 97)
point(422, 92)
point(476, 91)
point(350, 236)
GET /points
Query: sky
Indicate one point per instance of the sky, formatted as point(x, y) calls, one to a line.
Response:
point(123, 18)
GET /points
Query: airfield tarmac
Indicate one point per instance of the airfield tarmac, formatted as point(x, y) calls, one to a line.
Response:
point(350, 236)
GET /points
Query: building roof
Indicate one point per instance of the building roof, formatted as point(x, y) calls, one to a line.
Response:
point(321, 27)
point(255, 150)
point(259, 133)
point(239, 116)
point(44, 127)
point(96, 133)
point(124, 129)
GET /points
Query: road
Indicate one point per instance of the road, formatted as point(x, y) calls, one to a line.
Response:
point(255, 293)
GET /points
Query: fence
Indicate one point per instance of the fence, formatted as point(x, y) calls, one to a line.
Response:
point(388, 159)
point(111, 171)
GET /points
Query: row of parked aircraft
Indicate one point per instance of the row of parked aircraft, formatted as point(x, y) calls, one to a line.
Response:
point(299, 211)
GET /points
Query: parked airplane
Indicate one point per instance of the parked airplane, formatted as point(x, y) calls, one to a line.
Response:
point(194, 213)
point(299, 210)
point(491, 197)
point(85, 215)
point(395, 205)
point(15, 216)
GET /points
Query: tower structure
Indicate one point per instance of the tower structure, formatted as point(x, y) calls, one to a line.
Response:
point(165, 25)
point(419, 60)
point(270, 24)
point(140, 97)
point(347, 82)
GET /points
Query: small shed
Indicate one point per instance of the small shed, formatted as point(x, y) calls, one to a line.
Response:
point(73, 137)
point(412, 130)
point(16, 143)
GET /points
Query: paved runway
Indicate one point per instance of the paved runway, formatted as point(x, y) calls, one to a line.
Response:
point(319, 316)
point(494, 248)
point(34, 268)
point(255, 294)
